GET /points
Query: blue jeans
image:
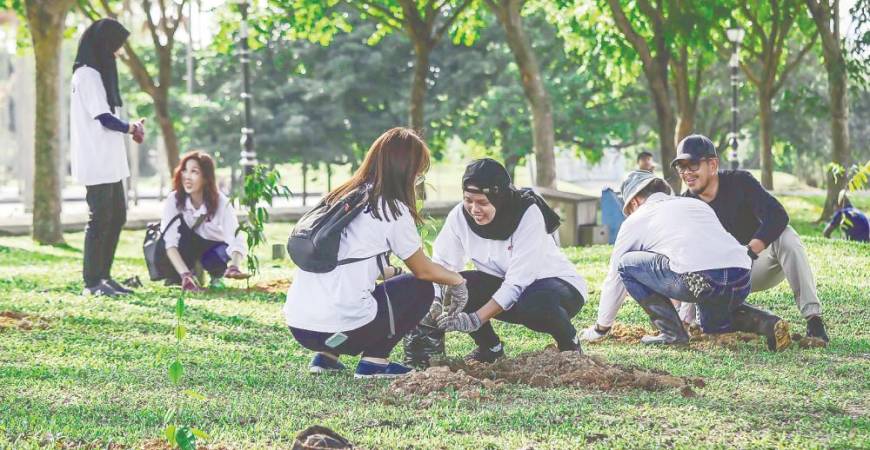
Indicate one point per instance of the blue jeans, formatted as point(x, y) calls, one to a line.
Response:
point(717, 292)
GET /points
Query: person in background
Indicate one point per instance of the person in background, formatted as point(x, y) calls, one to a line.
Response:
point(200, 226)
point(343, 311)
point(97, 151)
point(850, 220)
point(676, 248)
point(645, 162)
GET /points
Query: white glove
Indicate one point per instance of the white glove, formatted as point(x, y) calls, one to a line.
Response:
point(464, 322)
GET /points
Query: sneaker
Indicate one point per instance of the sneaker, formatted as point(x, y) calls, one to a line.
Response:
point(121, 290)
point(592, 336)
point(486, 355)
point(816, 328)
point(573, 346)
point(324, 364)
point(100, 290)
point(368, 369)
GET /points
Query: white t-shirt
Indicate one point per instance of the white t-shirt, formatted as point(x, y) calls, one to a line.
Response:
point(341, 300)
point(530, 254)
point(98, 154)
point(686, 230)
point(221, 227)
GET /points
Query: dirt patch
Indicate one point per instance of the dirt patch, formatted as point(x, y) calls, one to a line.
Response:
point(272, 286)
point(807, 342)
point(320, 438)
point(21, 321)
point(162, 444)
point(544, 369)
point(629, 334)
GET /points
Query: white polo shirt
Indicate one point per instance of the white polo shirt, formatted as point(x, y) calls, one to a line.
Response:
point(686, 230)
point(341, 300)
point(530, 254)
point(98, 154)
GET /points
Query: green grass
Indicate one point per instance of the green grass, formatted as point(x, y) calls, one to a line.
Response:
point(97, 374)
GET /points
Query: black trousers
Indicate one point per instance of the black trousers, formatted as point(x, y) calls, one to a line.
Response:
point(107, 214)
point(410, 298)
point(545, 306)
point(194, 248)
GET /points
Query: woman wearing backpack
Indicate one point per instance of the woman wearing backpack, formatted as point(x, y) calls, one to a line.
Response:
point(200, 225)
point(520, 274)
point(342, 311)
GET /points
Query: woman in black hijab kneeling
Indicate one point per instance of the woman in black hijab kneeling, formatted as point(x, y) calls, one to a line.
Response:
point(520, 274)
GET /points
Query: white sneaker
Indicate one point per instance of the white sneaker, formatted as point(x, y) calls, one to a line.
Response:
point(591, 335)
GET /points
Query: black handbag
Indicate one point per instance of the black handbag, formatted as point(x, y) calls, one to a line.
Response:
point(154, 249)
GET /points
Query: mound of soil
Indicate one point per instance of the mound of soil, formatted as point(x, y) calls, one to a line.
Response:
point(320, 438)
point(631, 334)
point(545, 369)
point(21, 321)
point(807, 342)
point(272, 286)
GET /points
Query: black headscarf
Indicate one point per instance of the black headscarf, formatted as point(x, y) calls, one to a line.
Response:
point(97, 50)
point(487, 176)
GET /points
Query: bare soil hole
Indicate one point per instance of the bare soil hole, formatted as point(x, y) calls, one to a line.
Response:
point(273, 286)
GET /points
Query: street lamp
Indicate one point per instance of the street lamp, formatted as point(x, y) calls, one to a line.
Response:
point(249, 155)
point(735, 35)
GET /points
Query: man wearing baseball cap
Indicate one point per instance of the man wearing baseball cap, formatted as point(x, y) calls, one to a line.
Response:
point(757, 220)
point(675, 248)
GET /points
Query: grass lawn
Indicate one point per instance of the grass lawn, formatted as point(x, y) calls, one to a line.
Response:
point(96, 373)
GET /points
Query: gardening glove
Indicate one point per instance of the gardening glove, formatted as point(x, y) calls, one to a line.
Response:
point(455, 297)
point(463, 322)
point(188, 283)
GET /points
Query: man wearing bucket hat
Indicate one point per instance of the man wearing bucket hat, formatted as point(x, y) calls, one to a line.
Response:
point(757, 220)
point(675, 248)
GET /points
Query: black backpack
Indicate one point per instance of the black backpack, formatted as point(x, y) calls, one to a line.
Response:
point(313, 243)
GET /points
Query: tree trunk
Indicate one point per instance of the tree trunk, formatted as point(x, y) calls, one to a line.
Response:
point(416, 114)
point(685, 100)
point(828, 26)
point(543, 134)
point(765, 114)
point(164, 120)
point(46, 21)
point(666, 124)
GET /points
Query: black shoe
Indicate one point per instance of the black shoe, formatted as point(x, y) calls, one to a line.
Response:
point(485, 355)
point(573, 346)
point(121, 290)
point(816, 328)
point(754, 320)
point(100, 290)
point(666, 319)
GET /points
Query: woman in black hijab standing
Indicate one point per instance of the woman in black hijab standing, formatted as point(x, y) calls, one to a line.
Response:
point(98, 153)
point(520, 274)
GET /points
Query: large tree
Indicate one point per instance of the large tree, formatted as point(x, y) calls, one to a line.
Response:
point(827, 19)
point(46, 22)
point(162, 28)
point(509, 14)
point(671, 40)
point(775, 48)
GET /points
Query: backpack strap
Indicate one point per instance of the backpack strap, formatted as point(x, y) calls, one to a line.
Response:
point(199, 221)
point(163, 231)
point(383, 261)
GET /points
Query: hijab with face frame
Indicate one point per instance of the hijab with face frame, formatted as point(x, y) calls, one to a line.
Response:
point(487, 176)
point(97, 49)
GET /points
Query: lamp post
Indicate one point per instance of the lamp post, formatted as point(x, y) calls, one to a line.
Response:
point(735, 35)
point(249, 155)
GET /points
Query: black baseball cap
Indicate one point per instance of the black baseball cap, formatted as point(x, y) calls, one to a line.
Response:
point(695, 148)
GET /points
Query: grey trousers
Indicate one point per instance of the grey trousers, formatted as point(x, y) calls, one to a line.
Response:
point(784, 259)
